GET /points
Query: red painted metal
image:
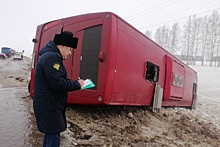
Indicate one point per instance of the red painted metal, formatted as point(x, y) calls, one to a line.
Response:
point(124, 52)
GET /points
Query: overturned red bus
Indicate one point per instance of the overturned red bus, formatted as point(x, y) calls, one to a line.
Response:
point(126, 66)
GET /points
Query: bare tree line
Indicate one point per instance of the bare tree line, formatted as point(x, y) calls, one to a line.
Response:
point(197, 40)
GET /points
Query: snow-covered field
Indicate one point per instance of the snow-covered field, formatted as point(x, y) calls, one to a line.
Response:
point(209, 92)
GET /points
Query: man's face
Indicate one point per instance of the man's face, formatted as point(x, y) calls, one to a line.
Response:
point(66, 51)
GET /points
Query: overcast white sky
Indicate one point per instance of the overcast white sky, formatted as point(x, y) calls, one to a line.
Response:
point(19, 19)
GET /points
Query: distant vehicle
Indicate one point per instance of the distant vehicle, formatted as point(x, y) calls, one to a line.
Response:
point(7, 51)
point(12, 52)
point(17, 56)
point(2, 56)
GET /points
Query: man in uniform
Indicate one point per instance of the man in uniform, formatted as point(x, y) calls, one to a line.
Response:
point(21, 54)
point(51, 87)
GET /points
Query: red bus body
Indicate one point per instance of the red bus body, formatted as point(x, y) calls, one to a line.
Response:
point(118, 58)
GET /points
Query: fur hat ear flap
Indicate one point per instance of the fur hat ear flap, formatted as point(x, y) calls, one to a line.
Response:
point(66, 38)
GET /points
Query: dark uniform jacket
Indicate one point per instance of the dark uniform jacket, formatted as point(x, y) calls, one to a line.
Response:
point(51, 87)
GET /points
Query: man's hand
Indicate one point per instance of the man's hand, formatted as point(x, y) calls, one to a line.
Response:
point(81, 81)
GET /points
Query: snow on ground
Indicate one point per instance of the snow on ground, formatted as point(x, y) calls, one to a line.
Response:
point(209, 92)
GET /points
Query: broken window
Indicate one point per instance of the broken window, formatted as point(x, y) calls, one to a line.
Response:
point(152, 72)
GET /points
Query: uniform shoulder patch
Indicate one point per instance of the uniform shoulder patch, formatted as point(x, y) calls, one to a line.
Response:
point(56, 66)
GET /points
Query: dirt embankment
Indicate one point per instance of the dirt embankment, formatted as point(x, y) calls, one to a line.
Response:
point(114, 126)
point(138, 126)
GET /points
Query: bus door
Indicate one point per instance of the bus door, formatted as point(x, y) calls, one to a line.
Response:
point(88, 59)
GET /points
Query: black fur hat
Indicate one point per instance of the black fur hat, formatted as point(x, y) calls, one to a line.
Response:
point(66, 38)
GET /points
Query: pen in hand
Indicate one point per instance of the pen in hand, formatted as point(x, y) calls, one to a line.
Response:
point(81, 81)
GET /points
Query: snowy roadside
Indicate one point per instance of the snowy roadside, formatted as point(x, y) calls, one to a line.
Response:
point(209, 93)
